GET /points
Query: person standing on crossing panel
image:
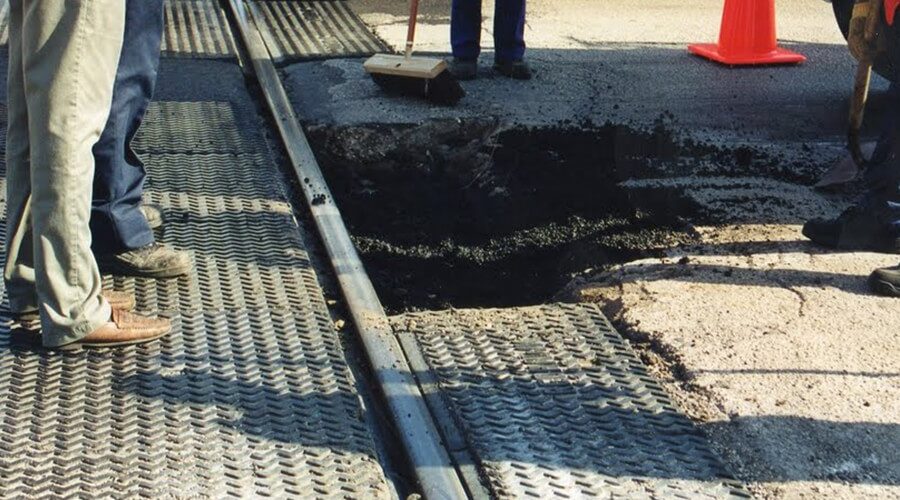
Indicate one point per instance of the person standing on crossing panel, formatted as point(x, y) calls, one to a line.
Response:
point(62, 65)
point(122, 225)
point(509, 38)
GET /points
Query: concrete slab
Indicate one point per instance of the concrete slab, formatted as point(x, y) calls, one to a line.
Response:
point(776, 346)
point(778, 349)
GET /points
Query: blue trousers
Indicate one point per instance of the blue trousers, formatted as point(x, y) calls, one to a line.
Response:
point(509, 29)
point(883, 179)
point(117, 223)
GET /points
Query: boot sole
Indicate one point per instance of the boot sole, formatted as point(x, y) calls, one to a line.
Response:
point(884, 287)
point(76, 346)
point(512, 75)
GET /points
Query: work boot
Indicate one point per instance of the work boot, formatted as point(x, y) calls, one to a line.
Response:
point(31, 321)
point(518, 70)
point(858, 228)
point(123, 329)
point(886, 281)
point(152, 261)
point(153, 214)
point(464, 69)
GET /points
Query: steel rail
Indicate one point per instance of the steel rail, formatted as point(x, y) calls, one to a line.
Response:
point(438, 478)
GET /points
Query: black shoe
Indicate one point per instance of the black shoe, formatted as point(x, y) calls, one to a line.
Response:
point(464, 69)
point(858, 228)
point(886, 281)
point(518, 70)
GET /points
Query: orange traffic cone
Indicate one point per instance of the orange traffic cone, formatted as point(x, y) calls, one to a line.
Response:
point(747, 36)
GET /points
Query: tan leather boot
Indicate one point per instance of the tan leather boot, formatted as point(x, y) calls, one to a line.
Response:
point(123, 329)
point(31, 322)
point(122, 301)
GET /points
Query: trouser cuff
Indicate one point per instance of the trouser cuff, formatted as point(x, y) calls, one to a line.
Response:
point(55, 336)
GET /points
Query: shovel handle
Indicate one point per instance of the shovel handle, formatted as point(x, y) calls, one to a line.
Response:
point(861, 90)
point(857, 113)
point(411, 32)
point(872, 22)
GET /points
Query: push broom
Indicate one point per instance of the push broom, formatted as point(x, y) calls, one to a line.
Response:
point(415, 76)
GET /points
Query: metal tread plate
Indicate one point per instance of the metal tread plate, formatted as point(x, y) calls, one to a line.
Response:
point(181, 135)
point(314, 29)
point(196, 29)
point(553, 403)
point(251, 395)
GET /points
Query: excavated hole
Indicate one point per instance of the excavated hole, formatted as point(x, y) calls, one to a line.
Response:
point(458, 214)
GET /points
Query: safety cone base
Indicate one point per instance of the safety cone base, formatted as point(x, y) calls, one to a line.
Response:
point(777, 56)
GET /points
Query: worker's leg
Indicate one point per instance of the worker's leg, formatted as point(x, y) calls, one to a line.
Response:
point(509, 30)
point(117, 223)
point(509, 39)
point(883, 179)
point(873, 223)
point(19, 266)
point(465, 29)
point(886, 179)
point(123, 238)
point(71, 51)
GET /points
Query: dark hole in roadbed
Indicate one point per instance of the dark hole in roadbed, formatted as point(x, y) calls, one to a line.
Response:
point(458, 214)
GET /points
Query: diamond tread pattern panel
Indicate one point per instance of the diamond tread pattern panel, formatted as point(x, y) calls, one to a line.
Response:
point(250, 396)
point(196, 29)
point(315, 29)
point(555, 404)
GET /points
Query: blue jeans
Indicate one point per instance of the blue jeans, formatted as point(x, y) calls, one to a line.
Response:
point(509, 29)
point(117, 223)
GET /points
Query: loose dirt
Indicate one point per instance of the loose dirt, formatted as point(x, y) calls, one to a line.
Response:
point(472, 217)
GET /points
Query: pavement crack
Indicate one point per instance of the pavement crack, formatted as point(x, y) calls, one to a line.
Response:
point(801, 309)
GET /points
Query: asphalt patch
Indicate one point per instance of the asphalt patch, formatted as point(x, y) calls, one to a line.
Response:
point(463, 215)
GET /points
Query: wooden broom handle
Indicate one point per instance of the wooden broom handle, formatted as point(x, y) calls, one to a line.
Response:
point(411, 33)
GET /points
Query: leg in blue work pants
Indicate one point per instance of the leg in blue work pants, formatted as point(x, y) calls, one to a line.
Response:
point(873, 223)
point(117, 223)
point(884, 184)
point(509, 29)
point(883, 179)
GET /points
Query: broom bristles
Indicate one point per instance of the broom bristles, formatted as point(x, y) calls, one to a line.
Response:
point(443, 89)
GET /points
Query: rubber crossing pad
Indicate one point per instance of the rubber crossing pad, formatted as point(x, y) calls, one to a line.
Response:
point(250, 396)
point(315, 29)
point(196, 29)
point(554, 404)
